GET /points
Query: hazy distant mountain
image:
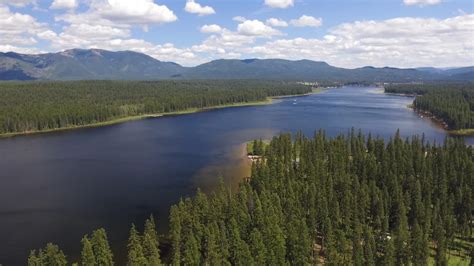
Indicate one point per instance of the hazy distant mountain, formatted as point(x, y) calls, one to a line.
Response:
point(78, 64)
point(85, 64)
point(460, 73)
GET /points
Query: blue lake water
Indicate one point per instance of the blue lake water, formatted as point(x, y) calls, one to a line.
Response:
point(57, 187)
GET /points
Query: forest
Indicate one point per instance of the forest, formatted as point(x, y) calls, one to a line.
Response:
point(453, 103)
point(48, 105)
point(348, 200)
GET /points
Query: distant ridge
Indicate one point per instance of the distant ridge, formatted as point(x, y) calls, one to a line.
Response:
point(82, 64)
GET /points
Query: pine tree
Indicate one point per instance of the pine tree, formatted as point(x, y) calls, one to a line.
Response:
point(33, 259)
point(389, 252)
point(257, 247)
point(402, 236)
point(87, 254)
point(369, 246)
point(101, 248)
point(440, 241)
point(191, 253)
point(211, 249)
point(419, 246)
point(50, 256)
point(151, 249)
point(240, 253)
point(175, 234)
point(357, 252)
point(135, 249)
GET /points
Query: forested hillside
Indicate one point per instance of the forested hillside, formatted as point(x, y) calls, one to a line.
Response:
point(39, 106)
point(90, 64)
point(450, 102)
point(349, 200)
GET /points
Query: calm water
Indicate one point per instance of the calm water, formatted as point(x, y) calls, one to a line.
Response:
point(57, 187)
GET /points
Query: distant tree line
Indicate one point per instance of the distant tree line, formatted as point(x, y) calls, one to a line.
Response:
point(451, 102)
point(37, 106)
point(348, 200)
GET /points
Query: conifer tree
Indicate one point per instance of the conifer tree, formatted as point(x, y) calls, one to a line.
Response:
point(51, 255)
point(191, 253)
point(389, 253)
point(175, 234)
point(402, 236)
point(418, 246)
point(258, 248)
point(101, 248)
point(87, 254)
point(150, 243)
point(369, 247)
point(135, 249)
point(211, 249)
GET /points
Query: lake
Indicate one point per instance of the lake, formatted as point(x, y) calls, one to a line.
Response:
point(57, 187)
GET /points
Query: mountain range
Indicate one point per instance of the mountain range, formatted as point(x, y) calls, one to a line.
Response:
point(94, 64)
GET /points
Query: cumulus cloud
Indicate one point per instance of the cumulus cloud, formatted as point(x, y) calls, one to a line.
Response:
point(134, 12)
point(421, 2)
point(399, 42)
point(279, 3)
point(18, 29)
point(64, 4)
point(239, 19)
point(274, 22)
point(17, 3)
point(196, 8)
point(306, 21)
point(256, 28)
point(213, 28)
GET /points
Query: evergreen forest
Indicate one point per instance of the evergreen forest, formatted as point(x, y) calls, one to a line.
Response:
point(347, 200)
point(453, 103)
point(49, 105)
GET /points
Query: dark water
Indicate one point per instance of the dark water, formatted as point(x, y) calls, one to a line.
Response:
point(57, 187)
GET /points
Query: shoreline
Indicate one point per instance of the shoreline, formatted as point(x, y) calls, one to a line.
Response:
point(267, 101)
point(466, 132)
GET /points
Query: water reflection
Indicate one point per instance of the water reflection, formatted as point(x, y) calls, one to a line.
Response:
point(57, 187)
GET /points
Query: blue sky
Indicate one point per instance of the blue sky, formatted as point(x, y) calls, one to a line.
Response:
point(355, 33)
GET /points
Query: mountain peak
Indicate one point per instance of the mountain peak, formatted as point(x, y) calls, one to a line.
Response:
point(80, 64)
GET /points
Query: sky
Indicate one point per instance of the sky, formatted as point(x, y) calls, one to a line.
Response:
point(343, 33)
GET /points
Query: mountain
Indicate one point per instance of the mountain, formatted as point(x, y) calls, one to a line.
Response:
point(263, 69)
point(460, 73)
point(78, 64)
point(84, 64)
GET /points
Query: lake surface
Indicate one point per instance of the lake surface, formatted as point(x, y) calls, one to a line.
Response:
point(57, 187)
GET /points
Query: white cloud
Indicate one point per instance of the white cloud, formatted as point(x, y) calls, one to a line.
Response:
point(213, 28)
point(17, 3)
point(108, 24)
point(64, 4)
point(398, 42)
point(421, 2)
point(18, 29)
point(279, 3)
point(307, 21)
point(239, 19)
point(196, 8)
point(274, 22)
point(256, 28)
point(134, 12)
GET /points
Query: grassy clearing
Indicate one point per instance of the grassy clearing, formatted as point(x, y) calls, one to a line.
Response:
point(251, 146)
point(462, 132)
point(459, 252)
